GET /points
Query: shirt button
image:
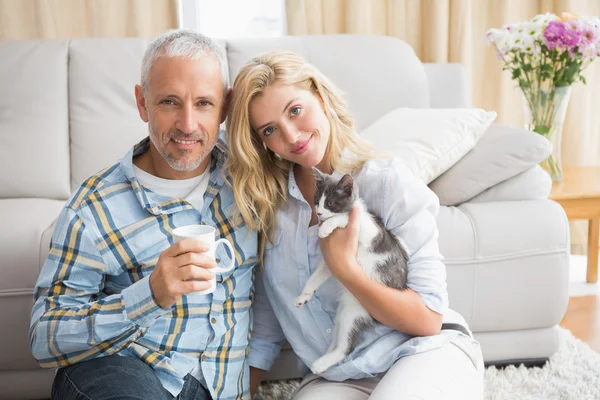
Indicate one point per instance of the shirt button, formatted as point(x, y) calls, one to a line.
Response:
point(328, 330)
point(155, 210)
point(213, 320)
point(203, 357)
point(311, 234)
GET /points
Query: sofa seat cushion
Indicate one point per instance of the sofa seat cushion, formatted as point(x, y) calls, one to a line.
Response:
point(507, 263)
point(23, 222)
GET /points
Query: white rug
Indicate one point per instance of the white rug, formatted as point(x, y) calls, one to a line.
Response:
point(572, 373)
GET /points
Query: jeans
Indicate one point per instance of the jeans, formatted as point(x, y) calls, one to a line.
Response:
point(115, 378)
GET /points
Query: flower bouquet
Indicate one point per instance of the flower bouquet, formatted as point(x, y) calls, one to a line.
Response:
point(546, 55)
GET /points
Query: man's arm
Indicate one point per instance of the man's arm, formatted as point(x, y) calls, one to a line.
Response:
point(71, 321)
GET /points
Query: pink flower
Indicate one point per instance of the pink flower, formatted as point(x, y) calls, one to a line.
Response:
point(570, 37)
point(554, 33)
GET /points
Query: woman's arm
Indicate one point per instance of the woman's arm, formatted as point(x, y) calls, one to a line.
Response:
point(267, 335)
point(402, 310)
point(408, 209)
point(256, 377)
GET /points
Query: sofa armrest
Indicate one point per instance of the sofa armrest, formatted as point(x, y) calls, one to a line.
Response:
point(532, 184)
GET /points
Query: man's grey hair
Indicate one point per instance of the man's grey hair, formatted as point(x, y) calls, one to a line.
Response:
point(182, 43)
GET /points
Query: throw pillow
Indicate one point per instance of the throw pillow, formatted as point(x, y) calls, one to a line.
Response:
point(428, 140)
point(532, 184)
point(501, 153)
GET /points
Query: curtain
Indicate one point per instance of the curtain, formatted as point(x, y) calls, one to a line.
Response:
point(64, 19)
point(453, 31)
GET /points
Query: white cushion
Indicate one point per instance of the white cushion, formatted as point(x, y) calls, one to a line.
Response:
point(500, 154)
point(532, 184)
point(428, 141)
point(34, 125)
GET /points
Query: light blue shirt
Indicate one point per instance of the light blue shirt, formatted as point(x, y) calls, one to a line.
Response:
point(409, 209)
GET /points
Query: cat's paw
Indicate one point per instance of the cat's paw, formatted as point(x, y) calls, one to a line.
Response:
point(325, 230)
point(302, 299)
point(321, 365)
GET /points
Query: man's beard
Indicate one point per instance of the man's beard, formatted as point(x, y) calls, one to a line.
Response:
point(177, 160)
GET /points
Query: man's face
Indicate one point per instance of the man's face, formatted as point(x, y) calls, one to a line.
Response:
point(183, 105)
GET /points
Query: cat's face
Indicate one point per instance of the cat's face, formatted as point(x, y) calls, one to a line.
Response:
point(333, 197)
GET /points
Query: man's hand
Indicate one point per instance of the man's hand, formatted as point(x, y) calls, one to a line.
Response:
point(175, 269)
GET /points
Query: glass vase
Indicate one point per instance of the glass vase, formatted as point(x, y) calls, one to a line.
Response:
point(545, 111)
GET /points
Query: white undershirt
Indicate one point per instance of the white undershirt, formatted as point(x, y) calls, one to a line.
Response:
point(192, 190)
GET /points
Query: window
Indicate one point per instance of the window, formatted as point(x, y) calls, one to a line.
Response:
point(234, 18)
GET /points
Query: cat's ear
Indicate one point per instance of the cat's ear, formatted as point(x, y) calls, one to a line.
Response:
point(346, 185)
point(318, 174)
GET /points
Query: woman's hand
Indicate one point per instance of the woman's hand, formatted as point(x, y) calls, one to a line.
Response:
point(340, 247)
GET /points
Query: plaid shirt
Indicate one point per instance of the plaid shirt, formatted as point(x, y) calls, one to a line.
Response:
point(93, 295)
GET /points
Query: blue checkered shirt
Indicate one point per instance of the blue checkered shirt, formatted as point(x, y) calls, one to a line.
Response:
point(93, 295)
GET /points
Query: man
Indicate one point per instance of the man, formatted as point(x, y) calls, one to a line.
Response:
point(111, 309)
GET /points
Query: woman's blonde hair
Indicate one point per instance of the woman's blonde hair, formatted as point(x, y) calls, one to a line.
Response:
point(259, 176)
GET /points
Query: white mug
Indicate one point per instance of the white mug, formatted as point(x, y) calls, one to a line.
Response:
point(206, 234)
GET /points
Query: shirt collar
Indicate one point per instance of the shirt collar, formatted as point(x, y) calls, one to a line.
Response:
point(157, 204)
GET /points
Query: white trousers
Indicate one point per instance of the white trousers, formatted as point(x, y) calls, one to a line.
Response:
point(454, 371)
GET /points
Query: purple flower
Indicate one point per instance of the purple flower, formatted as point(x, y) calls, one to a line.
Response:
point(554, 33)
point(570, 38)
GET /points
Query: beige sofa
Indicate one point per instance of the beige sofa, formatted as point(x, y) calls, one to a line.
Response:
point(67, 110)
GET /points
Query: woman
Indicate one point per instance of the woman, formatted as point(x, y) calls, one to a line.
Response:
point(286, 118)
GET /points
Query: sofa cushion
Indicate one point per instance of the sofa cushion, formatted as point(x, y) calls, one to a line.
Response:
point(532, 184)
point(23, 222)
point(428, 141)
point(501, 153)
point(15, 311)
point(34, 126)
point(387, 75)
point(104, 118)
point(448, 85)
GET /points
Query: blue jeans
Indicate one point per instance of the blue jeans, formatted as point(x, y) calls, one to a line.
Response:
point(115, 378)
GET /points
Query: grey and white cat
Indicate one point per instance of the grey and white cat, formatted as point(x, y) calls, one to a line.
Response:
point(380, 254)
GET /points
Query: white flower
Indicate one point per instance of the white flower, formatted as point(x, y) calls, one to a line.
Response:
point(494, 36)
point(544, 19)
point(528, 46)
point(592, 51)
point(533, 30)
point(515, 40)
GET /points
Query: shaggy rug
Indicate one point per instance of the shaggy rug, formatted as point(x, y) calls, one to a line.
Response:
point(572, 373)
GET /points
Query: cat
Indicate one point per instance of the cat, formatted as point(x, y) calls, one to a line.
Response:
point(380, 254)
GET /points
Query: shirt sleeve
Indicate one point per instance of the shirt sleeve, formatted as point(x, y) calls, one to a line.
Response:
point(410, 210)
point(72, 320)
point(267, 335)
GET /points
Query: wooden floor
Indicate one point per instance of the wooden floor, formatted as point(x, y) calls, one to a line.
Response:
point(583, 319)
